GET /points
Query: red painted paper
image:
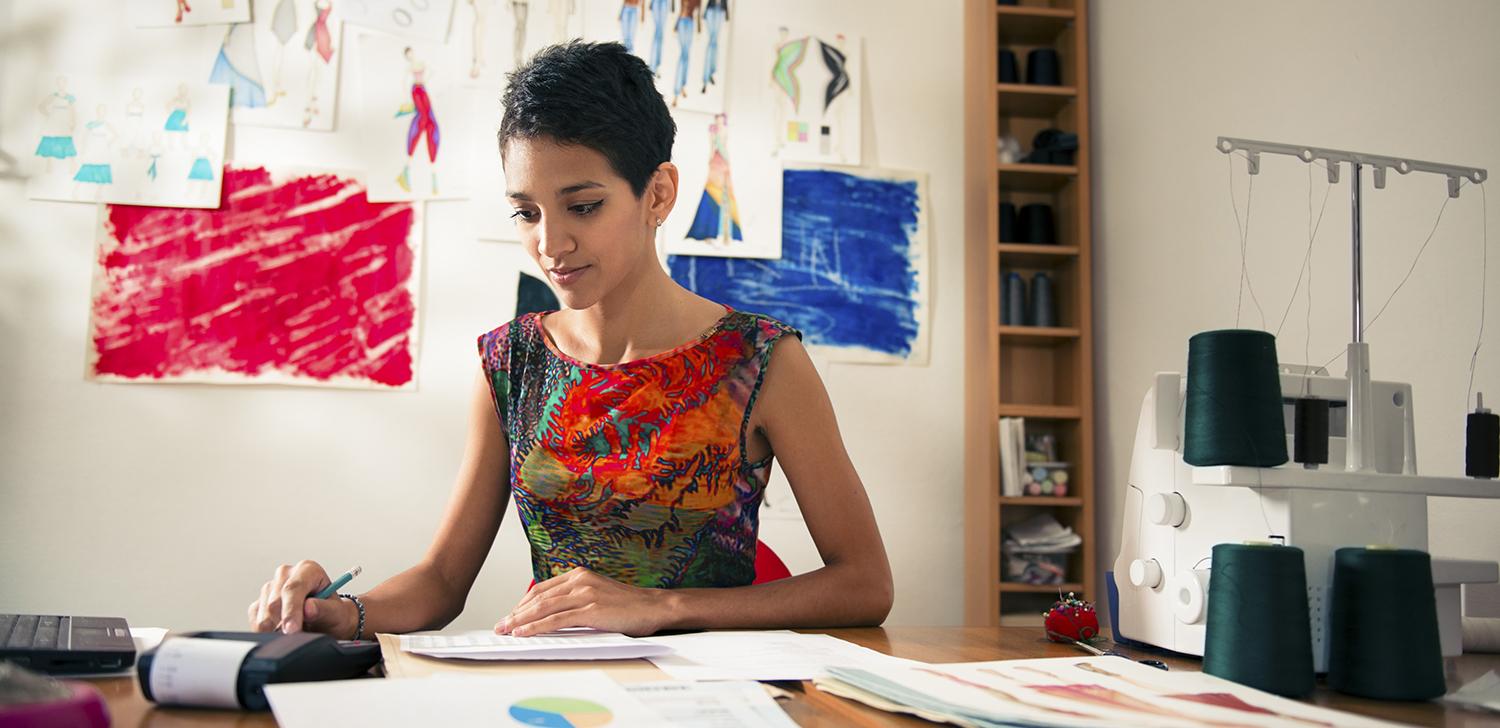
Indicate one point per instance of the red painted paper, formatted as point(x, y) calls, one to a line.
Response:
point(294, 279)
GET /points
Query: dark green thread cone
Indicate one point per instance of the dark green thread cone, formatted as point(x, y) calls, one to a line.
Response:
point(1258, 629)
point(1234, 414)
point(1382, 623)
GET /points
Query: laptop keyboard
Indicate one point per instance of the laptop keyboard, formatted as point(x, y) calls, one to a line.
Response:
point(33, 631)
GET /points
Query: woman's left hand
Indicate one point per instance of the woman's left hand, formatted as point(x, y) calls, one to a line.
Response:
point(583, 598)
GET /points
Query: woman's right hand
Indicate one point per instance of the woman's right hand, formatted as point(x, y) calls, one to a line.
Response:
point(286, 603)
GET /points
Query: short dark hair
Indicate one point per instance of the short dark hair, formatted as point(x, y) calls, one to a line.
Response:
point(596, 95)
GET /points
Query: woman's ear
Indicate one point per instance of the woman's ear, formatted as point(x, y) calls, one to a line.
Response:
point(661, 191)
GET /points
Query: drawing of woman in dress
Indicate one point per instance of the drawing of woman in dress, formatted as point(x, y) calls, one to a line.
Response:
point(135, 123)
point(715, 14)
point(631, 15)
point(284, 28)
point(838, 83)
point(238, 67)
point(423, 122)
point(97, 144)
point(155, 152)
point(201, 177)
point(718, 216)
point(789, 55)
point(57, 138)
point(687, 27)
point(319, 42)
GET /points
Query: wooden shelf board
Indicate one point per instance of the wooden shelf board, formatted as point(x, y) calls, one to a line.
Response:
point(1034, 177)
point(1026, 25)
point(1040, 411)
point(1040, 500)
point(1033, 100)
point(1017, 588)
point(1026, 255)
point(1054, 334)
point(1022, 619)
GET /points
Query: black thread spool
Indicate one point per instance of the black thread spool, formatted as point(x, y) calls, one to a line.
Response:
point(1310, 436)
point(1043, 310)
point(1013, 300)
point(1010, 69)
point(1043, 67)
point(1008, 223)
point(1036, 225)
point(1482, 442)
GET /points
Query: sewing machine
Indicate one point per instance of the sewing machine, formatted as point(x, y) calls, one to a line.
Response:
point(1174, 513)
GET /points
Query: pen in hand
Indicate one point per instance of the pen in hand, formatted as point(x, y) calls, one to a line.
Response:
point(333, 588)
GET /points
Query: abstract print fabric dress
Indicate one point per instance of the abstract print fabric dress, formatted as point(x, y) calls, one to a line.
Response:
point(638, 471)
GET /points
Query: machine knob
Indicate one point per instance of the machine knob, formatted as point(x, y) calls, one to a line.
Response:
point(1166, 509)
point(1145, 573)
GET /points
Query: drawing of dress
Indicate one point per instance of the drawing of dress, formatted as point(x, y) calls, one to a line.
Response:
point(715, 14)
point(201, 170)
point(151, 171)
point(57, 140)
point(284, 21)
point(839, 83)
point(718, 216)
point(319, 38)
point(97, 172)
point(685, 32)
point(423, 124)
point(789, 56)
point(239, 68)
point(659, 11)
point(630, 16)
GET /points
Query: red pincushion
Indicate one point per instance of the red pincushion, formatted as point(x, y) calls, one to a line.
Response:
point(1072, 618)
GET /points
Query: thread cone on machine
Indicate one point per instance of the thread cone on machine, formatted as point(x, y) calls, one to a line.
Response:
point(1382, 625)
point(1234, 410)
point(1258, 629)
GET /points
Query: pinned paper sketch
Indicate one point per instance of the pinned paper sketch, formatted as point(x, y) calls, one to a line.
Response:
point(717, 225)
point(814, 82)
point(409, 102)
point(853, 272)
point(426, 20)
point(167, 13)
point(283, 69)
point(497, 36)
point(297, 279)
point(685, 42)
point(138, 143)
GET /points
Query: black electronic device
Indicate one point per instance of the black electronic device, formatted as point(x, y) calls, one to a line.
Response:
point(275, 658)
point(63, 645)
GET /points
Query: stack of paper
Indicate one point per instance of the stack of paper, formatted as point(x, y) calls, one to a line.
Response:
point(1096, 691)
point(572, 644)
point(1041, 534)
point(776, 655)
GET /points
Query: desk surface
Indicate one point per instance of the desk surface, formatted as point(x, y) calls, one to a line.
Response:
point(930, 644)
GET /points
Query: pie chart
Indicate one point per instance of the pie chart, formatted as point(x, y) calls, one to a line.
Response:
point(560, 713)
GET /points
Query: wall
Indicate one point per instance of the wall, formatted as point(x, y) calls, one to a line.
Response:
point(1401, 78)
point(170, 504)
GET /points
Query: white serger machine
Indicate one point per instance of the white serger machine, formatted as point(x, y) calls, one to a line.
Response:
point(1174, 512)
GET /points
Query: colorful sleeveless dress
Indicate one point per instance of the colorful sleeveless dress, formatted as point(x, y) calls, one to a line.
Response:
point(638, 471)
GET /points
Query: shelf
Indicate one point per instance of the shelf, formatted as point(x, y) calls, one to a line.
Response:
point(1040, 411)
point(1040, 500)
point(1033, 100)
point(1035, 177)
point(1025, 25)
point(1041, 334)
point(1027, 255)
point(1024, 619)
point(1018, 588)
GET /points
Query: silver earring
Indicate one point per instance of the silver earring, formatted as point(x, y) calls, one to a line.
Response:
point(658, 222)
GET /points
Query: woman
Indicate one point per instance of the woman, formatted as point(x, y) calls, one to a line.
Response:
point(635, 427)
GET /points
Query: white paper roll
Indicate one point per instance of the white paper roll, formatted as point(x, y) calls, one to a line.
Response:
point(201, 672)
point(1481, 634)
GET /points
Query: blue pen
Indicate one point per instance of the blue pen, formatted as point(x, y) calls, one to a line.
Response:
point(333, 588)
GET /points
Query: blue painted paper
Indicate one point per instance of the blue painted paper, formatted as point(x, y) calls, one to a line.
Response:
point(850, 273)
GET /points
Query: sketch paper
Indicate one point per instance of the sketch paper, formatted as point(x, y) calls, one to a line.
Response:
point(572, 644)
point(297, 279)
point(584, 698)
point(761, 655)
point(814, 81)
point(497, 36)
point(136, 143)
point(174, 13)
point(685, 42)
point(425, 20)
point(409, 114)
point(728, 202)
point(282, 69)
point(853, 272)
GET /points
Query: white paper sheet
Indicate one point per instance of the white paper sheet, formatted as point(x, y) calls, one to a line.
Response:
point(1482, 693)
point(776, 655)
point(566, 645)
point(713, 705)
point(585, 698)
point(285, 68)
point(417, 19)
point(814, 80)
point(177, 13)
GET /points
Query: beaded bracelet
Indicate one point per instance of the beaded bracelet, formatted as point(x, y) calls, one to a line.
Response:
point(359, 632)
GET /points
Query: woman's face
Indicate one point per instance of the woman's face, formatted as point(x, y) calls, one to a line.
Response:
point(579, 219)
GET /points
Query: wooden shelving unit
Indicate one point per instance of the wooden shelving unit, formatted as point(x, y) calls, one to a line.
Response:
point(1042, 374)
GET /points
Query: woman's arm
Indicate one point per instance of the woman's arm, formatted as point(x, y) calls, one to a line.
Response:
point(432, 593)
point(853, 588)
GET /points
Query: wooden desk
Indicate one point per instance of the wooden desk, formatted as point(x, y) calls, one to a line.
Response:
point(813, 708)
